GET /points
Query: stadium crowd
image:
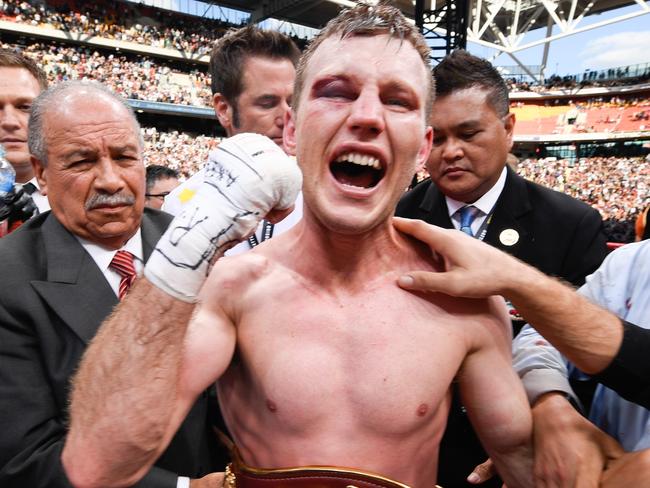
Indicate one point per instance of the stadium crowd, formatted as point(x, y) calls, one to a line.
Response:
point(613, 77)
point(136, 77)
point(618, 187)
point(121, 21)
point(182, 152)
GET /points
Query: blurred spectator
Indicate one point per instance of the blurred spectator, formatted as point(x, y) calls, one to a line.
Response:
point(179, 151)
point(618, 187)
point(614, 77)
point(160, 181)
point(641, 227)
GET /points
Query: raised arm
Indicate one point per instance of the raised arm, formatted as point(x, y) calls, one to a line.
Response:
point(495, 398)
point(139, 376)
point(130, 394)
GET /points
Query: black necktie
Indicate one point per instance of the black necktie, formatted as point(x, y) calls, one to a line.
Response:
point(29, 188)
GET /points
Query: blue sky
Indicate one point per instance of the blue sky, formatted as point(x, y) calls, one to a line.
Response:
point(619, 44)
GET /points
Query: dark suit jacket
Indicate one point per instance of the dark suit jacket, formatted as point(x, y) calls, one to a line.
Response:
point(53, 298)
point(559, 235)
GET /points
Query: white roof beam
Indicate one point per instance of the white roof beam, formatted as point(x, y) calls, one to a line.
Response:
point(550, 8)
point(582, 29)
point(514, 26)
point(493, 11)
point(572, 12)
point(643, 4)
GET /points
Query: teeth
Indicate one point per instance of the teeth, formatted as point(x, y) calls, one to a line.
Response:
point(360, 159)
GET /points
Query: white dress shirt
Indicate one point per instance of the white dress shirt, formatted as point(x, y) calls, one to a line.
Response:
point(103, 258)
point(485, 204)
point(40, 200)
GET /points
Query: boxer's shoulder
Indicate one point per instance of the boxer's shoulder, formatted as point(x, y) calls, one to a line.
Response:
point(233, 275)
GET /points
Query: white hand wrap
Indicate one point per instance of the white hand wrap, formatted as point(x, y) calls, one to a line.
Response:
point(247, 176)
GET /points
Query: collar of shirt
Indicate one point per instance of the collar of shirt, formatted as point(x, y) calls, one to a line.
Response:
point(103, 257)
point(40, 200)
point(485, 204)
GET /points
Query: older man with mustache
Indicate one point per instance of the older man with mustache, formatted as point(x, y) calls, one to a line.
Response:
point(62, 273)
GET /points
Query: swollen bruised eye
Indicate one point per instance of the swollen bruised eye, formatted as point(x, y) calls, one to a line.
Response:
point(333, 89)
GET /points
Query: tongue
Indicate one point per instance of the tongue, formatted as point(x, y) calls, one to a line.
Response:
point(354, 175)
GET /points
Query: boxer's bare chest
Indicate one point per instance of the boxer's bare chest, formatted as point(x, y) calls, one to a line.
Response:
point(380, 356)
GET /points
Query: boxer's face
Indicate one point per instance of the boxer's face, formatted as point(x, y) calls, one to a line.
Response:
point(360, 129)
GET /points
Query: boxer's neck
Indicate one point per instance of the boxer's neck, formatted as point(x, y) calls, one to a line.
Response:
point(345, 260)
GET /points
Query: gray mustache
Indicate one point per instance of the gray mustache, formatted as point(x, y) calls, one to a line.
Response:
point(100, 199)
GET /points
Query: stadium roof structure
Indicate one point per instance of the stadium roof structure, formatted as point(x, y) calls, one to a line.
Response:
point(503, 24)
point(499, 24)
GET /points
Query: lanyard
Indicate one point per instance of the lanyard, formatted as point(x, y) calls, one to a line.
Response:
point(267, 233)
point(480, 234)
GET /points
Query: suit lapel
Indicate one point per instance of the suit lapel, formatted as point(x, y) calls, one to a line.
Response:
point(507, 219)
point(75, 288)
point(150, 235)
point(434, 208)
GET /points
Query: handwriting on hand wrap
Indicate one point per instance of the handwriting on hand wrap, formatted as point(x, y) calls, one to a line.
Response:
point(179, 231)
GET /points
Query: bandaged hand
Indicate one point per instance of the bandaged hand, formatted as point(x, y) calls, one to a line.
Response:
point(246, 177)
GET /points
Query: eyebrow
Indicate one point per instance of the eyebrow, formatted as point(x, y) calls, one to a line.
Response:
point(328, 78)
point(124, 147)
point(399, 85)
point(469, 124)
point(79, 151)
point(267, 96)
point(86, 151)
point(23, 99)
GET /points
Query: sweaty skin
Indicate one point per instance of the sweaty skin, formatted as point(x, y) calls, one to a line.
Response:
point(320, 357)
point(348, 372)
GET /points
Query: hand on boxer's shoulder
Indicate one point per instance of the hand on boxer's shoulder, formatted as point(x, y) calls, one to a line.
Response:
point(247, 177)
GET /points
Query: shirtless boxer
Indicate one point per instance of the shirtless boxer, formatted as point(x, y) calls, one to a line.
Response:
point(321, 359)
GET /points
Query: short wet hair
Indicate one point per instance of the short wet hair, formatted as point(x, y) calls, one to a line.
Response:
point(368, 20)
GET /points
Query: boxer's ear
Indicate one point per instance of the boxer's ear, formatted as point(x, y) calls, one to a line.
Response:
point(289, 133)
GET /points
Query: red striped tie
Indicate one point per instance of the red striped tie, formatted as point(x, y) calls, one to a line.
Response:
point(123, 263)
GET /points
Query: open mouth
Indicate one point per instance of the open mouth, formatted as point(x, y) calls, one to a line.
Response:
point(358, 170)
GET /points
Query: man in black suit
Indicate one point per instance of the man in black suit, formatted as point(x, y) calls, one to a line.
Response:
point(58, 284)
point(473, 190)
